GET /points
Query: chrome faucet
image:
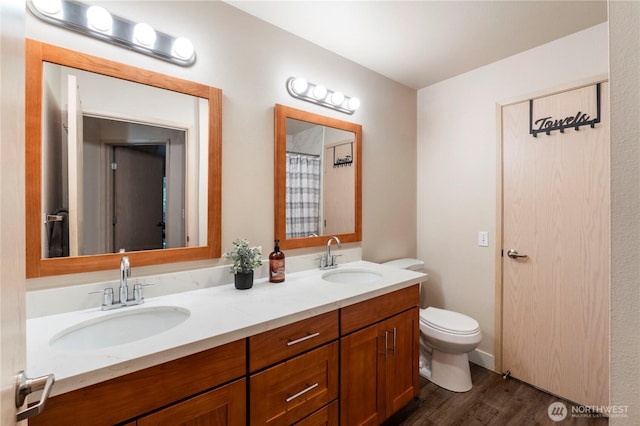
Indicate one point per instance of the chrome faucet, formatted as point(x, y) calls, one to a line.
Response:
point(328, 260)
point(125, 272)
point(108, 301)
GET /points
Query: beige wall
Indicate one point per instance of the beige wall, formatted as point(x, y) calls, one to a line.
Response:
point(250, 61)
point(624, 34)
point(457, 167)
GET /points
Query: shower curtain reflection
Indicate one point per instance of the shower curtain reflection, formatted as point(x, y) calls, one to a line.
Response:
point(303, 195)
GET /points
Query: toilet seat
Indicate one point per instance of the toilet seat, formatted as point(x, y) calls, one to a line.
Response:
point(449, 321)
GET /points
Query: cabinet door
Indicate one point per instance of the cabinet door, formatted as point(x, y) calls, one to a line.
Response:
point(379, 369)
point(401, 366)
point(360, 373)
point(224, 406)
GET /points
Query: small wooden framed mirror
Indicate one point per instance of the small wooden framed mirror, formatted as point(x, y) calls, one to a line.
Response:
point(318, 179)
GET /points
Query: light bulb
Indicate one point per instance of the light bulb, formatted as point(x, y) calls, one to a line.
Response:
point(337, 98)
point(99, 18)
point(183, 48)
point(144, 34)
point(50, 7)
point(299, 85)
point(319, 92)
point(353, 103)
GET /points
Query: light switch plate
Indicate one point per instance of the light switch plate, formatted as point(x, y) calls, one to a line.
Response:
point(483, 239)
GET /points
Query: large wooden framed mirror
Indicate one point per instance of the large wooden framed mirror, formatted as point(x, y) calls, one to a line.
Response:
point(318, 179)
point(118, 159)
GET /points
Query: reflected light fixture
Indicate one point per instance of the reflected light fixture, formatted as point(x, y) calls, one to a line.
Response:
point(318, 94)
point(97, 22)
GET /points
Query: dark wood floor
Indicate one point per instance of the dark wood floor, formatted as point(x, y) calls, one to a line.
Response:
point(491, 401)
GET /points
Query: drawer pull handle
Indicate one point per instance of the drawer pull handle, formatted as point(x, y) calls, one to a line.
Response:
point(302, 392)
point(302, 339)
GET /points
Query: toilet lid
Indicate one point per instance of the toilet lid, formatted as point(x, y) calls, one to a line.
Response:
point(449, 321)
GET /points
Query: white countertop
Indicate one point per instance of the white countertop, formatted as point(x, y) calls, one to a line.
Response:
point(219, 315)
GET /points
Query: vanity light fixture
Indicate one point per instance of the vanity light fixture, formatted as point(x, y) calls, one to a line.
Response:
point(50, 7)
point(144, 34)
point(318, 94)
point(97, 22)
point(99, 19)
point(182, 48)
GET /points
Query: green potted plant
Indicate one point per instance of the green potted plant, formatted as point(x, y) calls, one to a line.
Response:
point(245, 259)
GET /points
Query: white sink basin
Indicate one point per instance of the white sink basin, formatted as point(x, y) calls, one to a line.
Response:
point(123, 326)
point(352, 276)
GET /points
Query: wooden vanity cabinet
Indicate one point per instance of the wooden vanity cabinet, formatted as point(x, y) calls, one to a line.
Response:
point(133, 395)
point(354, 366)
point(379, 354)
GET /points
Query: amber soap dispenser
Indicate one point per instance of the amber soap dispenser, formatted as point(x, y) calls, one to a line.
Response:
point(276, 265)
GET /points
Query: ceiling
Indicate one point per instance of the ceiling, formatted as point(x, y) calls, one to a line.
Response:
point(418, 43)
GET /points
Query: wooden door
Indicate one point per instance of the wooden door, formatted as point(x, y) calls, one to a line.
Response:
point(555, 302)
point(138, 199)
point(12, 212)
point(401, 364)
point(225, 406)
point(359, 375)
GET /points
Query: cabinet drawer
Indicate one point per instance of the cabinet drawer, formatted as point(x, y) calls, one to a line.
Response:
point(223, 406)
point(284, 342)
point(327, 416)
point(370, 311)
point(289, 391)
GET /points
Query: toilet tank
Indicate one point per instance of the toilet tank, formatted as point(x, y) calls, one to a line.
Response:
point(414, 265)
point(406, 263)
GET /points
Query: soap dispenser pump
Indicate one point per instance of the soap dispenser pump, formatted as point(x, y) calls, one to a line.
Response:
point(276, 264)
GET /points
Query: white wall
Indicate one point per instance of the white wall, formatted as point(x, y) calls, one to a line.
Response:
point(457, 167)
point(250, 61)
point(624, 34)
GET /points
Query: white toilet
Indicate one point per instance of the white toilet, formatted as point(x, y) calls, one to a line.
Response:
point(446, 337)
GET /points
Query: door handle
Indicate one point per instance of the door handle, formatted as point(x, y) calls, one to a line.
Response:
point(25, 386)
point(513, 254)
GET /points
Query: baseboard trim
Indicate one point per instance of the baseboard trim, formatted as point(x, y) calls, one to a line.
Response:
point(483, 359)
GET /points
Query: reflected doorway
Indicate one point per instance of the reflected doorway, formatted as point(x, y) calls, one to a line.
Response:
point(134, 186)
point(139, 180)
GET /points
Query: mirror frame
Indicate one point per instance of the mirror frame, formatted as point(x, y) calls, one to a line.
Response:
point(36, 266)
point(281, 113)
